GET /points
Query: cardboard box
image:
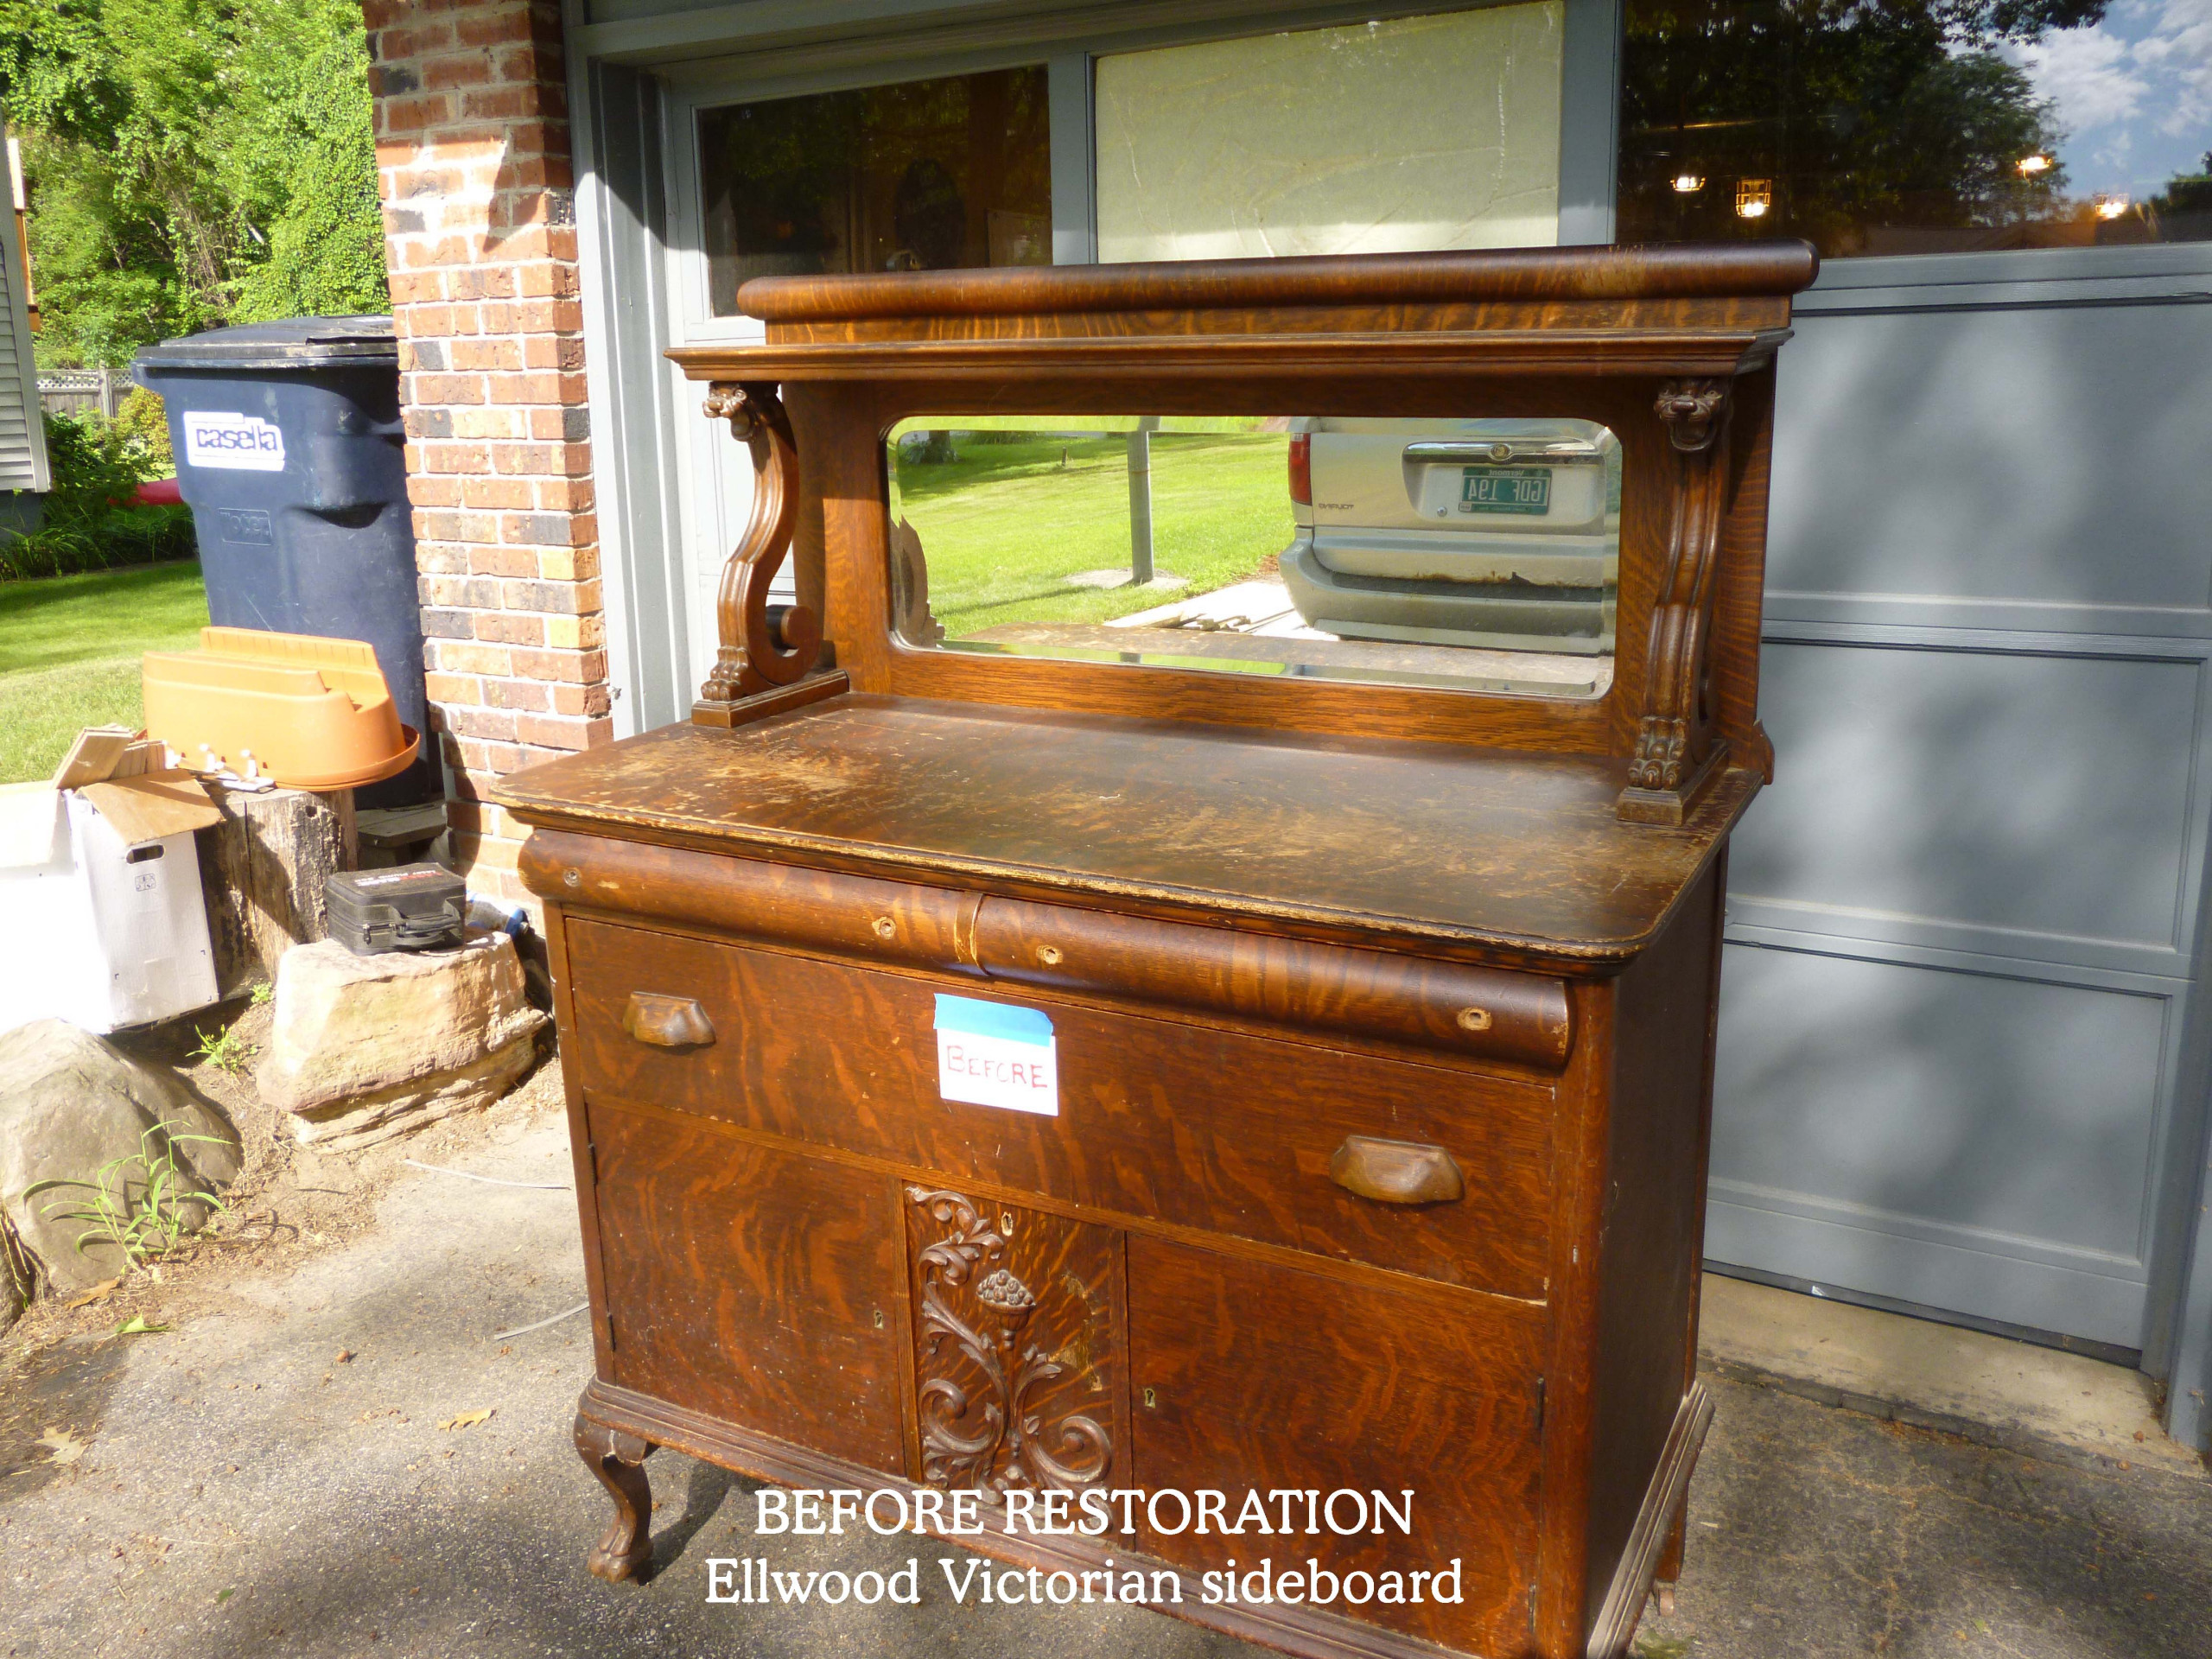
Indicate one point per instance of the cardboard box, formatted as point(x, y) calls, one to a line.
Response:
point(99, 891)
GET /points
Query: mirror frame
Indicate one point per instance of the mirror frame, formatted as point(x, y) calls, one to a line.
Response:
point(1671, 348)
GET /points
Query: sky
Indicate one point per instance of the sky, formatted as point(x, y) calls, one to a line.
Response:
point(2134, 93)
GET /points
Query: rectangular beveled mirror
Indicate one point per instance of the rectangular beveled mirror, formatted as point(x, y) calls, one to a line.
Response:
point(1478, 554)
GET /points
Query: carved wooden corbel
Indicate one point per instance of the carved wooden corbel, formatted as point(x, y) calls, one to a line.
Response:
point(1676, 751)
point(762, 645)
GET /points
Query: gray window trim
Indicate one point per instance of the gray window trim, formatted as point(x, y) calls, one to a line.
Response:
point(757, 40)
point(1590, 121)
point(1071, 99)
point(620, 204)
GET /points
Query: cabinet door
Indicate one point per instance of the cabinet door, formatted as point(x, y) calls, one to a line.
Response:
point(1018, 1346)
point(756, 1286)
point(1248, 1376)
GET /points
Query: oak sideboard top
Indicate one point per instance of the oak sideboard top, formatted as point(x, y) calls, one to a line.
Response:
point(1487, 851)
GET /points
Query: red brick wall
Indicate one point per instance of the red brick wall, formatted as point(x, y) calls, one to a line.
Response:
point(473, 163)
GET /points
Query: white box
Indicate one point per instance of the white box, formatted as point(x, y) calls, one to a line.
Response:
point(101, 925)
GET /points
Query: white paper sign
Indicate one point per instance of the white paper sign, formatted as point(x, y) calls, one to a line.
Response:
point(990, 1054)
point(244, 443)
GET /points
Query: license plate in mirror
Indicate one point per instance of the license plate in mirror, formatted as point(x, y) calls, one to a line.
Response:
point(1505, 489)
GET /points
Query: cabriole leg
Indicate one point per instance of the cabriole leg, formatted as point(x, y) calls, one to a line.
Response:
point(618, 1461)
point(1670, 1558)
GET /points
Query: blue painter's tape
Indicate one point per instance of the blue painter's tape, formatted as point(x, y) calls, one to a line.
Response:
point(966, 1014)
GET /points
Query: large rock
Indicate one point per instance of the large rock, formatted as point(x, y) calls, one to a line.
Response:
point(72, 1104)
point(364, 1048)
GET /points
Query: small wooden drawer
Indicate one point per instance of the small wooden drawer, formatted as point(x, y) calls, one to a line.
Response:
point(1448, 1007)
point(1159, 1120)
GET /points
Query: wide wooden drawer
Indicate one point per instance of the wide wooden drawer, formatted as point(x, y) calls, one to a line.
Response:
point(1183, 1124)
point(1463, 1010)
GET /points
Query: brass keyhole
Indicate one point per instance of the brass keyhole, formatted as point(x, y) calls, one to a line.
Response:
point(1049, 955)
point(1474, 1019)
point(1151, 1399)
point(884, 927)
point(572, 878)
point(879, 1318)
point(1006, 1223)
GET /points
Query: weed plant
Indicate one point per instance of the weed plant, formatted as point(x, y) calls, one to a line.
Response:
point(225, 1050)
point(146, 1215)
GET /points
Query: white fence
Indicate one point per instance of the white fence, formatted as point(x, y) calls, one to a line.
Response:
point(71, 392)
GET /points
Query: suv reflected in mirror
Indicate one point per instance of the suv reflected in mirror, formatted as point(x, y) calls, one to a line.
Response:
point(1495, 533)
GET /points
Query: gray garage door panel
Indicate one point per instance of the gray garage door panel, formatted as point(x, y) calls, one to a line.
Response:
point(1983, 789)
point(2001, 454)
point(1964, 1141)
point(2020, 1111)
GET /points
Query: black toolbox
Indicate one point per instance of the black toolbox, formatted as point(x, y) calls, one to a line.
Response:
point(408, 907)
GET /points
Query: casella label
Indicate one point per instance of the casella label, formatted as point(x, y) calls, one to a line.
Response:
point(240, 443)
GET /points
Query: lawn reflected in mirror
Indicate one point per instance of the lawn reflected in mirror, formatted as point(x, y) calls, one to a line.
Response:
point(1473, 555)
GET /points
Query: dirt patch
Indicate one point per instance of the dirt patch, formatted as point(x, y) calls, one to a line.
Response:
point(50, 1409)
point(288, 1202)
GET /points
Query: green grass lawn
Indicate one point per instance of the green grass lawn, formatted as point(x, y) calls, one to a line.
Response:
point(69, 652)
point(1003, 526)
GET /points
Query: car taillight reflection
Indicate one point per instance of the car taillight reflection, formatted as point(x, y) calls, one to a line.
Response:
point(1301, 468)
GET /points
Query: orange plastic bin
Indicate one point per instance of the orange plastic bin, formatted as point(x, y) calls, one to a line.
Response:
point(306, 712)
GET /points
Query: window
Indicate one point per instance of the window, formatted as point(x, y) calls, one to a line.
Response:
point(1918, 126)
point(1425, 132)
point(920, 177)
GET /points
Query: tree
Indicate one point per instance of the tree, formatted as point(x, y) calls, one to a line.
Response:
point(1893, 119)
point(191, 162)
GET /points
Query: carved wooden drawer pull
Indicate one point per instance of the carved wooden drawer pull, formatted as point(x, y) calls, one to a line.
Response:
point(1396, 1172)
point(667, 1021)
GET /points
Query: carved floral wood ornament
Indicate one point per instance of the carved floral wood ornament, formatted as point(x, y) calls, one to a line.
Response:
point(983, 1428)
point(1674, 743)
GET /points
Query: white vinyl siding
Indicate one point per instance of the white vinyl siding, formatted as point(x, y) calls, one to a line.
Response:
point(22, 438)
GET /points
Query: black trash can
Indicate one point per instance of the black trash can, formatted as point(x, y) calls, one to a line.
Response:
point(288, 451)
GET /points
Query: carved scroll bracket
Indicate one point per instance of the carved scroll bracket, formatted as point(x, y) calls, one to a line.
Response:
point(762, 645)
point(1676, 750)
point(983, 1425)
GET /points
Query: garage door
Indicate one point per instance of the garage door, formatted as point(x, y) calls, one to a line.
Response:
point(1959, 1061)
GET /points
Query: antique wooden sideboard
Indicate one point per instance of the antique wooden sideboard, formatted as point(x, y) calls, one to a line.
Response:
point(1381, 1014)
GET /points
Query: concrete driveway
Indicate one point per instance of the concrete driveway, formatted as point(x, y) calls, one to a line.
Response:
point(241, 1490)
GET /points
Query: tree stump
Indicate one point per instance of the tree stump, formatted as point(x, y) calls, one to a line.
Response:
point(260, 873)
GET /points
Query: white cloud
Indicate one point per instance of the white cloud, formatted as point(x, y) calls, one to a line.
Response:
point(2178, 54)
point(2148, 58)
point(2088, 73)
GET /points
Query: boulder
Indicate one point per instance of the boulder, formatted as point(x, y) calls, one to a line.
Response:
point(364, 1048)
point(72, 1104)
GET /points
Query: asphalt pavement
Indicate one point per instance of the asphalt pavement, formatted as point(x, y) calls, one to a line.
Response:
point(232, 1487)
